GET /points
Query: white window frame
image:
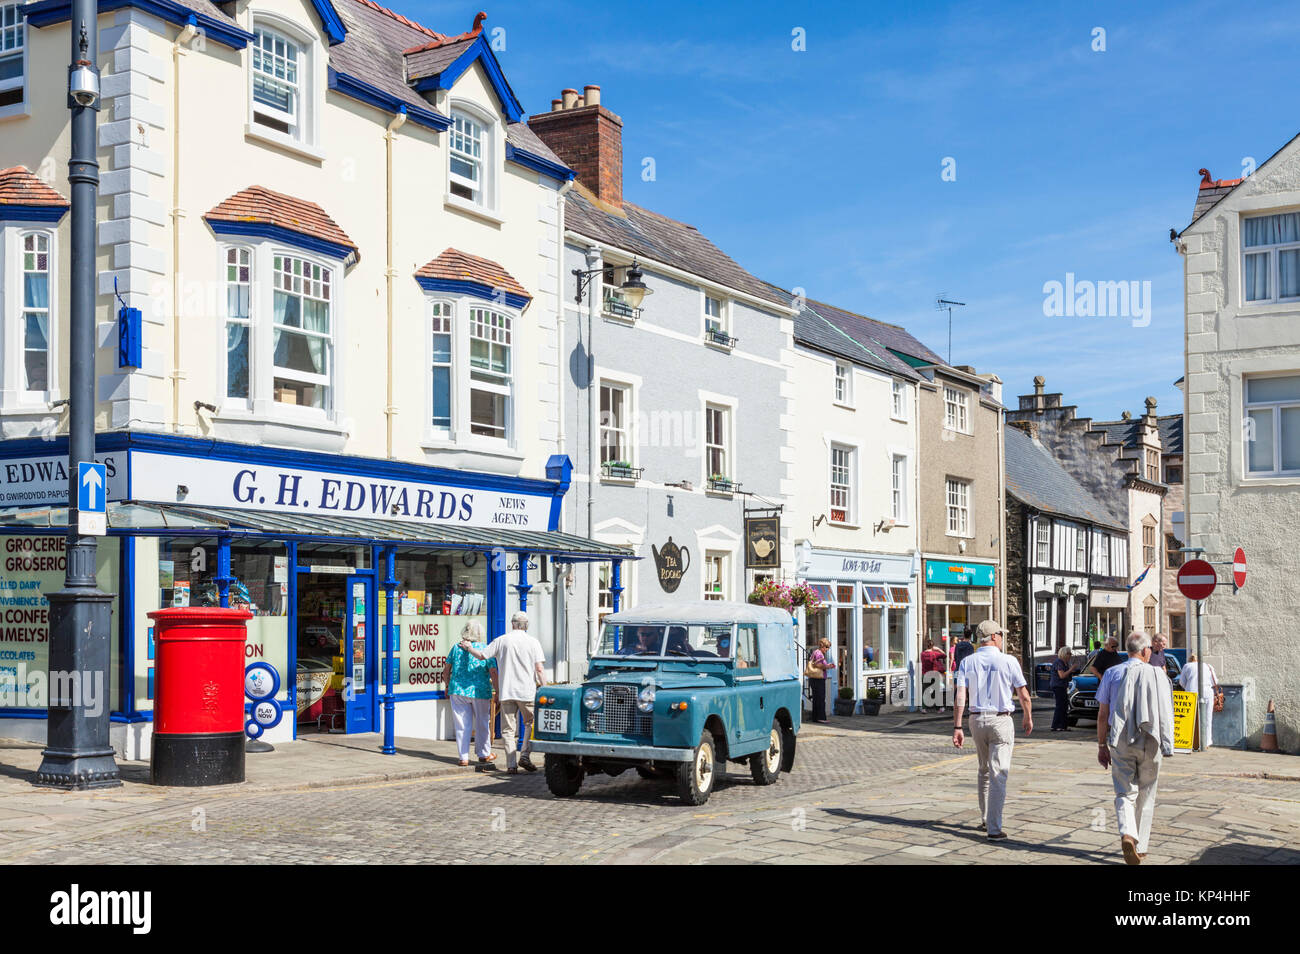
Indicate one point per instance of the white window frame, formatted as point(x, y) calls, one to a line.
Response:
point(898, 399)
point(722, 320)
point(1042, 625)
point(726, 404)
point(490, 163)
point(957, 496)
point(842, 491)
point(303, 122)
point(625, 430)
point(441, 320)
point(261, 404)
point(1076, 624)
point(1273, 254)
point(247, 324)
point(1081, 550)
point(505, 386)
point(898, 488)
point(1042, 543)
point(956, 409)
point(1274, 409)
point(16, 396)
point(18, 51)
point(843, 384)
point(721, 559)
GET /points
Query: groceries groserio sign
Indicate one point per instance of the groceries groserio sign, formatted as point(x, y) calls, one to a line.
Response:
point(260, 486)
point(39, 481)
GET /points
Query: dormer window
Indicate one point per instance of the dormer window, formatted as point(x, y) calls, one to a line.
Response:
point(277, 91)
point(466, 177)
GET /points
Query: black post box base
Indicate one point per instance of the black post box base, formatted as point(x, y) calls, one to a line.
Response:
point(200, 758)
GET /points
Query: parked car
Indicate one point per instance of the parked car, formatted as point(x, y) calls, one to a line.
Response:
point(1082, 690)
point(673, 691)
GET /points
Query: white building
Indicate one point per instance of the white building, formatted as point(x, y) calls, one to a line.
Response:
point(1242, 430)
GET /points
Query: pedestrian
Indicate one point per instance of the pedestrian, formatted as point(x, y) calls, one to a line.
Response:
point(1188, 679)
point(1062, 672)
point(934, 668)
point(519, 661)
point(820, 661)
point(471, 684)
point(1109, 655)
point(1135, 730)
point(961, 649)
point(990, 679)
point(1158, 644)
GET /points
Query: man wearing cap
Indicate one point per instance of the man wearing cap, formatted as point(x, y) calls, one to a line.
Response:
point(991, 679)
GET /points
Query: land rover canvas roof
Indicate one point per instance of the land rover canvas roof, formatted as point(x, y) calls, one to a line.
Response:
point(700, 611)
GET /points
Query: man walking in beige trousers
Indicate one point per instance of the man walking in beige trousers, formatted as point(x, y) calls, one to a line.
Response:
point(991, 679)
point(519, 665)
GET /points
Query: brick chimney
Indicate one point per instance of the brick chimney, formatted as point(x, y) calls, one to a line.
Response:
point(588, 138)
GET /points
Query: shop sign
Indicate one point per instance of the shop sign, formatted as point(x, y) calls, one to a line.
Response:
point(256, 486)
point(863, 567)
point(671, 564)
point(762, 543)
point(35, 481)
point(960, 574)
point(1104, 598)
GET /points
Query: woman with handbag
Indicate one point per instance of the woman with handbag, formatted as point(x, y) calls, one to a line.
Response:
point(818, 665)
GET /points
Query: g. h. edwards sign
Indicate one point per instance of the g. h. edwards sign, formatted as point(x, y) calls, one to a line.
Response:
point(256, 486)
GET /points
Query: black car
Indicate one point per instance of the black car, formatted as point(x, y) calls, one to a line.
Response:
point(1082, 691)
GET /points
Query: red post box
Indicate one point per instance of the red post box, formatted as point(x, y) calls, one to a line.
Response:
point(198, 716)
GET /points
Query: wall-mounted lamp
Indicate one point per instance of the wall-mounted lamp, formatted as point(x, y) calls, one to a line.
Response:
point(633, 288)
point(205, 406)
point(1059, 589)
point(182, 491)
point(1074, 588)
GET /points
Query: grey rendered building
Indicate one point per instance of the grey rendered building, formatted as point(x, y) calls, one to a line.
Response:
point(674, 413)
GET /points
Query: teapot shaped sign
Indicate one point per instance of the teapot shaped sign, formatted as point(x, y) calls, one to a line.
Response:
point(671, 564)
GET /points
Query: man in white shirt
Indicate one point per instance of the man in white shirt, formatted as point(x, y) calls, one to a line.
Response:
point(990, 679)
point(1135, 729)
point(1187, 678)
point(519, 665)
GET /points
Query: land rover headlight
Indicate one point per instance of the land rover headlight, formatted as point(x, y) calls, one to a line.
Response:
point(645, 700)
point(592, 698)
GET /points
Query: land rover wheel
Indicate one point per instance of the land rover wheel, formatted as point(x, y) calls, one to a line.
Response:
point(695, 778)
point(765, 766)
point(563, 775)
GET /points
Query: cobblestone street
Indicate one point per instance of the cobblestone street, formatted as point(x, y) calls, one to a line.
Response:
point(895, 794)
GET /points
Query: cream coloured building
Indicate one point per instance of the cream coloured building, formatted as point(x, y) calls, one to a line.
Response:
point(339, 244)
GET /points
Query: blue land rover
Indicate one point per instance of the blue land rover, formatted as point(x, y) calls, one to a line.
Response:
point(672, 691)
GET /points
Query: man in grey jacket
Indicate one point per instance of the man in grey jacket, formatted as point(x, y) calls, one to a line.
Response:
point(1135, 730)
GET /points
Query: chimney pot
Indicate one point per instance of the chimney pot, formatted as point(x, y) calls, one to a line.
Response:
point(570, 98)
point(557, 105)
point(591, 95)
point(590, 141)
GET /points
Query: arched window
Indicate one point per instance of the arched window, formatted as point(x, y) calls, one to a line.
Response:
point(280, 82)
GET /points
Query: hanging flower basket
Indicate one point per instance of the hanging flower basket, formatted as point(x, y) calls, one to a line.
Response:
point(772, 593)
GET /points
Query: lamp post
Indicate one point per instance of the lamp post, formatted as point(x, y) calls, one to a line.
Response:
point(77, 753)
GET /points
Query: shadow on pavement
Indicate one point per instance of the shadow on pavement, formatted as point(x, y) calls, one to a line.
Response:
point(977, 837)
point(1239, 854)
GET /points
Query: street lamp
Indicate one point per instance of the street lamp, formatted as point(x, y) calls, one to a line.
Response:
point(77, 752)
point(633, 288)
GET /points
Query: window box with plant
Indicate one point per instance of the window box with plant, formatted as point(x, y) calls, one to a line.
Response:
point(720, 484)
point(620, 470)
point(614, 305)
point(871, 704)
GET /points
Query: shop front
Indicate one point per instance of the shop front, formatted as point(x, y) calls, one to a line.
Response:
point(1107, 615)
point(328, 553)
point(958, 597)
point(868, 614)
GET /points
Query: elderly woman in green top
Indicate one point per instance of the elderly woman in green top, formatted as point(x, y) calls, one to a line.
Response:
point(470, 685)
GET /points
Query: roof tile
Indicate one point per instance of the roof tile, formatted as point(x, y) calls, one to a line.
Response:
point(455, 265)
point(19, 186)
point(259, 204)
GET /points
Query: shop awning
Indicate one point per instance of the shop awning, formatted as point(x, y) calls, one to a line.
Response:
point(129, 518)
point(893, 597)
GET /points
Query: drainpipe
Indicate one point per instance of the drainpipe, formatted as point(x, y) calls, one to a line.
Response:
point(560, 603)
point(397, 122)
point(188, 32)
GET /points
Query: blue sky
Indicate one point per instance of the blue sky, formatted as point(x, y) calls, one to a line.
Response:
point(821, 169)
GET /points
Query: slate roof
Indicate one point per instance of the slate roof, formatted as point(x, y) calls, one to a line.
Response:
point(893, 337)
point(1171, 433)
point(458, 266)
point(19, 186)
point(1036, 479)
point(260, 204)
point(641, 232)
point(815, 331)
point(1127, 432)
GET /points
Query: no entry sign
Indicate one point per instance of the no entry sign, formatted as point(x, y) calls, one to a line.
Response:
point(1239, 568)
point(1196, 579)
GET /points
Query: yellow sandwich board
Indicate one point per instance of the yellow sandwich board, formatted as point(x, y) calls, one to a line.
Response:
point(1184, 719)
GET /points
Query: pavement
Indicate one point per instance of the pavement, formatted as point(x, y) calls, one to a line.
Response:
point(887, 789)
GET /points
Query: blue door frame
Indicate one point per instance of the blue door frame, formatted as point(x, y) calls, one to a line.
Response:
point(361, 637)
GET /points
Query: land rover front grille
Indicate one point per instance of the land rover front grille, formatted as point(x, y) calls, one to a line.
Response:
point(619, 714)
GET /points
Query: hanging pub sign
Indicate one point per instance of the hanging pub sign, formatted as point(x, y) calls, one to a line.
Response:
point(671, 563)
point(762, 543)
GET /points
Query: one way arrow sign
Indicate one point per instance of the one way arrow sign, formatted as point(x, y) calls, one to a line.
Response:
point(92, 494)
